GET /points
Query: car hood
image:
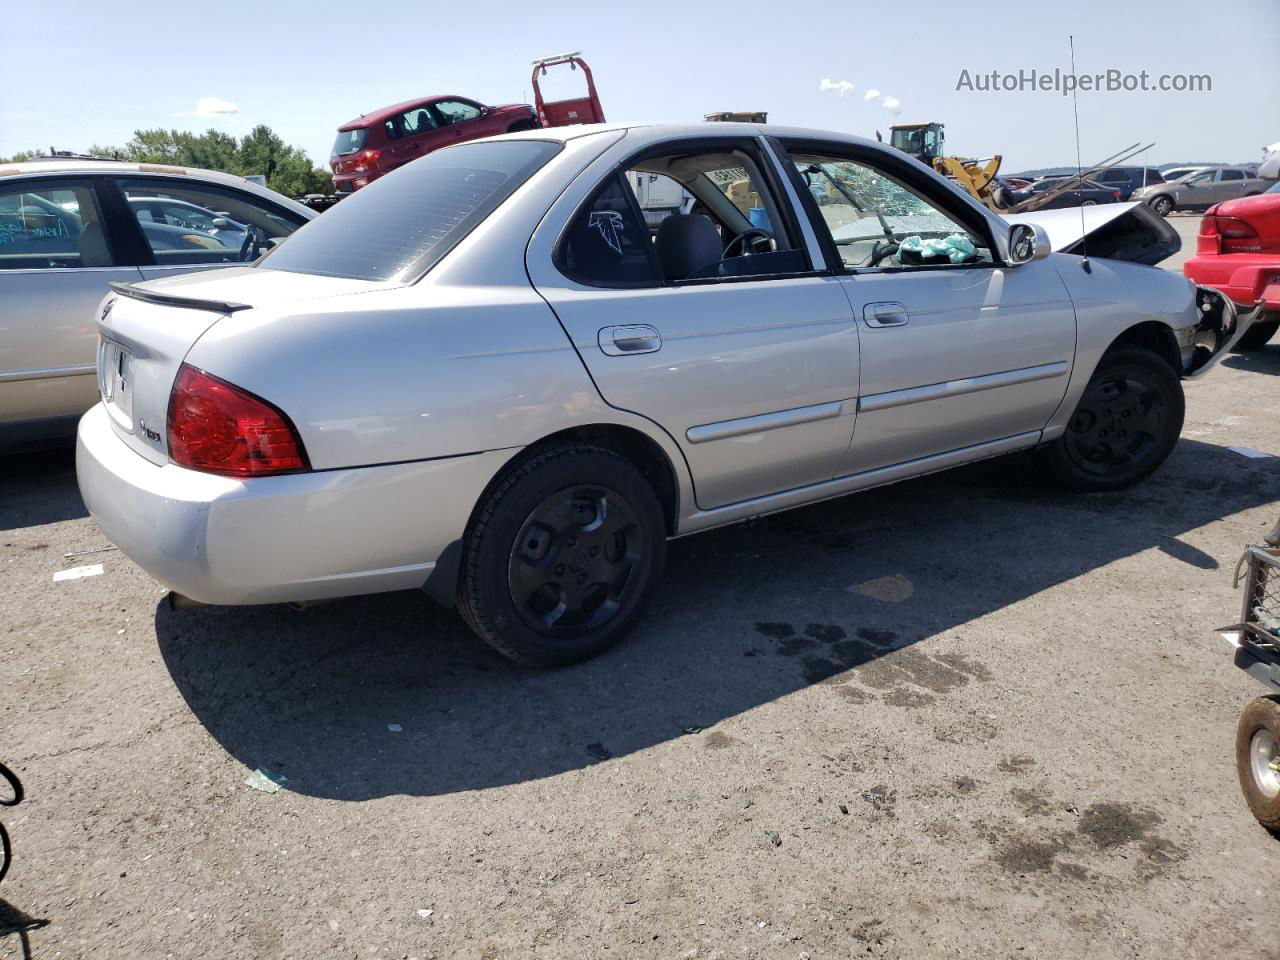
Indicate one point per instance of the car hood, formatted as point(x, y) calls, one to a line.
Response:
point(1117, 231)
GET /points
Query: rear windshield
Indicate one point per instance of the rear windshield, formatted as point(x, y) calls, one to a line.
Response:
point(401, 224)
point(349, 141)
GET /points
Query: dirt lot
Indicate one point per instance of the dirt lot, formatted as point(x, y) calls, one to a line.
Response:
point(966, 716)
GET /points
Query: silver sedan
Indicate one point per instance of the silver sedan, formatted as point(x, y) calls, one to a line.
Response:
point(489, 375)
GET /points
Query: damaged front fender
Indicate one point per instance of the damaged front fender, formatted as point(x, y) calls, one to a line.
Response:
point(1221, 325)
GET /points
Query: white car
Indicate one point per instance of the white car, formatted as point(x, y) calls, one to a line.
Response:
point(487, 376)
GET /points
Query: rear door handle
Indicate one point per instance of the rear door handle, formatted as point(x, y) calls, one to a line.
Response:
point(626, 340)
point(886, 313)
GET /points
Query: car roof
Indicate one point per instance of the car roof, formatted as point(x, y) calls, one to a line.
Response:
point(646, 131)
point(85, 166)
point(386, 113)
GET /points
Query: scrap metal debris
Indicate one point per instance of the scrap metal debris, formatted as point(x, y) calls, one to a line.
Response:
point(266, 782)
point(75, 573)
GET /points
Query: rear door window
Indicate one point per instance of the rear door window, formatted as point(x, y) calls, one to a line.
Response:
point(1231, 175)
point(47, 226)
point(608, 244)
point(185, 222)
point(400, 225)
point(411, 123)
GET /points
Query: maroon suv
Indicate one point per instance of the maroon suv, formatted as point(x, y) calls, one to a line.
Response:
point(378, 142)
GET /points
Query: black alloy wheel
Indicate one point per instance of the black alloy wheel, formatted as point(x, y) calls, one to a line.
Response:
point(573, 560)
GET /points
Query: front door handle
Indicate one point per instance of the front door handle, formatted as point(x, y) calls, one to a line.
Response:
point(626, 340)
point(886, 313)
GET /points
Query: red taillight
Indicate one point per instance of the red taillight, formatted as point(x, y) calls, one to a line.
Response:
point(215, 427)
point(366, 160)
point(1220, 234)
point(1115, 196)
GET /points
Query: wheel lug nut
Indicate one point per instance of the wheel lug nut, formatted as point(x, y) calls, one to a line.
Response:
point(572, 542)
point(595, 551)
point(559, 569)
point(582, 578)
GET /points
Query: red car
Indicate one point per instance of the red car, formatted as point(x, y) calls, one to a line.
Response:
point(1238, 252)
point(378, 142)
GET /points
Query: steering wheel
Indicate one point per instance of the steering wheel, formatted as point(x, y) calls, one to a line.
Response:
point(740, 241)
point(249, 249)
point(880, 250)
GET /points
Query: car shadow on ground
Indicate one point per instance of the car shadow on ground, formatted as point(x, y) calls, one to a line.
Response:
point(39, 487)
point(1265, 360)
point(384, 695)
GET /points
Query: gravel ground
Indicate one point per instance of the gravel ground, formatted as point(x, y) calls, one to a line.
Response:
point(965, 716)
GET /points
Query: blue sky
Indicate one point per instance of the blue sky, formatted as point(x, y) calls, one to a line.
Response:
point(304, 68)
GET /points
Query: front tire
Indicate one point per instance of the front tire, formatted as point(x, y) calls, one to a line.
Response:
point(1258, 759)
point(1257, 336)
point(1162, 205)
point(1125, 425)
point(563, 556)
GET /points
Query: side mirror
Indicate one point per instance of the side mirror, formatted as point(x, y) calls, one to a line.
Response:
point(1027, 242)
point(222, 223)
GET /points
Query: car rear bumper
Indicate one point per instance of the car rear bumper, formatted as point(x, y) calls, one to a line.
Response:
point(1248, 279)
point(297, 537)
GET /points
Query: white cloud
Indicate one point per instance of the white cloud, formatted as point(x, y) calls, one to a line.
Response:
point(872, 94)
point(840, 86)
point(892, 104)
point(213, 108)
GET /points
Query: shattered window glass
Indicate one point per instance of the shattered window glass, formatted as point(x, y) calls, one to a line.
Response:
point(877, 222)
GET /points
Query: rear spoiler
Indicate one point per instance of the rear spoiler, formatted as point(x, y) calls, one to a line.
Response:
point(173, 300)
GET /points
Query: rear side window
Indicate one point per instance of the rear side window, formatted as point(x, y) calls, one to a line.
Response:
point(607, 243)
point(1232, 175)
point(350, 141)
point(48, 226)
point(187, 222)
point(402, 224)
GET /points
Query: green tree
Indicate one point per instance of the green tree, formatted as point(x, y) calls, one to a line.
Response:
point(261, 151)
point(23, 155)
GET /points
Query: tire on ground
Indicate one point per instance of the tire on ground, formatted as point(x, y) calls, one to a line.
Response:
point(1066, 464)
point(1262, 714)
point(485, 593)
point(1257, 336)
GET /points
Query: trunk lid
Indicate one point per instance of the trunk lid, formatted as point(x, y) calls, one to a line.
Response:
point(146, 331)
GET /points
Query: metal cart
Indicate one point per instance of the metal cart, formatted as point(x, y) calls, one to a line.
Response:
point(1256, 639)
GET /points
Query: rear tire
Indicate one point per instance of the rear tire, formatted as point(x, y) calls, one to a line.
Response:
point(1257, 336)
point(522, 125)
point(1257, 750)
point(563, 556)
point(1162, 205)
point(1125, 425)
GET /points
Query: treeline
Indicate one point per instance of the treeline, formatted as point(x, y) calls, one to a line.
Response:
point(288, 169)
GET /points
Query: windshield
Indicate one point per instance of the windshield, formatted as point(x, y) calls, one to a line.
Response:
point(349, 141)
point(400, 225)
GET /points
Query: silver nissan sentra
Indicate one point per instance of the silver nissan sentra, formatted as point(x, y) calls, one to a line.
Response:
point(494, 375)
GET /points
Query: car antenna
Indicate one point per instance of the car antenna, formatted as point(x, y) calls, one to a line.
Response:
point(1075, 110)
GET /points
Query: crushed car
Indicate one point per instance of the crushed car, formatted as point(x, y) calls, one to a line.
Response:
point(490, 376)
